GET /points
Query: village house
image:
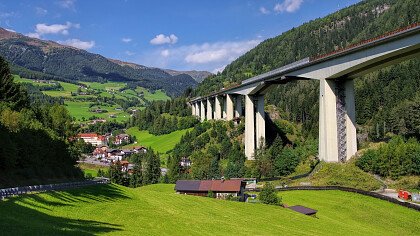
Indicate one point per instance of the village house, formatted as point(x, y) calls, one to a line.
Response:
point(121, 138)
point(220, 188)
point(92, 138)
point(185, 162)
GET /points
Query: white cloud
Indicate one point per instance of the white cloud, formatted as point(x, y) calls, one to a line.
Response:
point(129, 53)
point(218, 52)
point(126, 40)
point(77, 43)
point(33, 35)
point(41, 11)
point(163, 39)
point(212, 57)
point(165, 53)
point(288, 6)
point(41, 29)
point(69, 4)
point(10, 30)
point(264, 11)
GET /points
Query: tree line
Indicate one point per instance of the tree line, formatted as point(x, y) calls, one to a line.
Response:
point(34, 138)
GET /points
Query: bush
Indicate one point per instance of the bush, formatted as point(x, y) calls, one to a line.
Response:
point(394, 159)
point(269, 196)
point(210, 194)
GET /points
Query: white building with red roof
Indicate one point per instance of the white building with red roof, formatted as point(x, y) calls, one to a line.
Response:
point(93, 138)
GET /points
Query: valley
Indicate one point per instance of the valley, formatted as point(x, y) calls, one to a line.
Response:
point(92, 100)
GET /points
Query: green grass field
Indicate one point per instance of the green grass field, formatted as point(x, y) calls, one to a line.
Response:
point(157, 210)
point(91, 169)
point(79, 108)
point(161, 143)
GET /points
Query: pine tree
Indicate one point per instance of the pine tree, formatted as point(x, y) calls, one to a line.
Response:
point(136, 177)
point(11, 92)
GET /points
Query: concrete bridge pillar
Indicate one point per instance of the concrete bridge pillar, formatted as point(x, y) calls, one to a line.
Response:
point(224, 107)
point(218, 107)
point(260, 122)
point(229, 107)
point(197, 109)
point(209, 109)
point(192, 109)
point(249, 127)
point(337, 120)
point(203, 110)
point(238, 106)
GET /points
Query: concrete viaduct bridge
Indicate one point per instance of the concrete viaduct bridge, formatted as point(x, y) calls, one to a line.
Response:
point(335, 71)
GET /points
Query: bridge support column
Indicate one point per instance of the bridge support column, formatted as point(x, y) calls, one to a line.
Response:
point(337, 120)
point(197, 109)
point(260, 122)
point(249, 127)
point(218, 107)
point(203, 110)
point(192, 109)
point(224, 107)
point(238, 106)
point(209, 110)
point(229, 107)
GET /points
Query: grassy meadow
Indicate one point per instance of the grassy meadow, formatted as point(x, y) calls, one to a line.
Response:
point(79, 107)
point(160, 143)
point(158, 210)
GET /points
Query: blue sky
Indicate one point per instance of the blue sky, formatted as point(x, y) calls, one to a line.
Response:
point(181, 34)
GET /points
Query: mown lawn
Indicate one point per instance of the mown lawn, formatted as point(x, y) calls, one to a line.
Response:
point(157, 210)
point(160, 143)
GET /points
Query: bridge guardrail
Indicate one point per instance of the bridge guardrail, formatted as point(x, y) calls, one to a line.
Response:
point(9, 192)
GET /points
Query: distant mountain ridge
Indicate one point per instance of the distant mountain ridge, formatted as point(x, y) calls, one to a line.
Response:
point(199, 76)
point(36, 58)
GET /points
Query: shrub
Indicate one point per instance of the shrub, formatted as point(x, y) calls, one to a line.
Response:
point(269, 196)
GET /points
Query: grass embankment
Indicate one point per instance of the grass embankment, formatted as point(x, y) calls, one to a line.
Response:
point(92, 169)
point(160, 143)
point(340, 174)
point(157, 210)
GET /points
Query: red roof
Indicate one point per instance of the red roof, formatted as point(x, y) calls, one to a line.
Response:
point(88, 135)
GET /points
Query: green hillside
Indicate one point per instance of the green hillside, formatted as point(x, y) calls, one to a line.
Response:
point(111, 96)
point(157, 210)
point(380, 97)
point(160, 143)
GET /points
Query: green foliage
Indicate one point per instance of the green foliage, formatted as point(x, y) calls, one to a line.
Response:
point(342, 174)
point(269, 196)
point(394, 159)
point(164, 117)
point(211, 194)
point(151, 167)
point(10, 92)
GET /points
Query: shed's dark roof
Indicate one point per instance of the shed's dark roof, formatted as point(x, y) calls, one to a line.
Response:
point(187, 185)
point(304, 210)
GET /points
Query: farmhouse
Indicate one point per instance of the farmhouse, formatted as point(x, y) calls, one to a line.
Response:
point(92, 138)
point(221, 188)
point(121, 138)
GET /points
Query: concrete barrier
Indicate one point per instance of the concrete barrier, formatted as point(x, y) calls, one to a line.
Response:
point(9, 192)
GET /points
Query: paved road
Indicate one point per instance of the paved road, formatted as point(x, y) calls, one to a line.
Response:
point(91, 160)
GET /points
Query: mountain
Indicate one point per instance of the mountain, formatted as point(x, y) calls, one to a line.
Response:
point(199, 76)
point(35, 58)
point(383, 98)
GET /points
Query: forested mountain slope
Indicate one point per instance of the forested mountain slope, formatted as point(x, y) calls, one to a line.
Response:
point(381, 97)
point(35, 58)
